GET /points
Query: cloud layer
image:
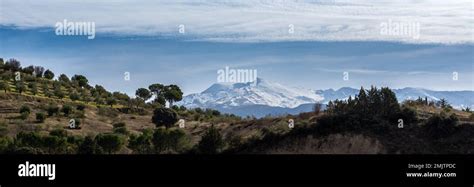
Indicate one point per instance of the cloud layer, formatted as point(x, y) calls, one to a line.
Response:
point(440, 21)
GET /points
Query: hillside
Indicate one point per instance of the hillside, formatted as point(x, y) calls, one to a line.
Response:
point(36, 120)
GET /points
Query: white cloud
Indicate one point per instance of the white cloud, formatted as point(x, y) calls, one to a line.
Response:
point(447, 22)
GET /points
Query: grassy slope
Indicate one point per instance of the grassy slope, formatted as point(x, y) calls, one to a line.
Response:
point(93, 123)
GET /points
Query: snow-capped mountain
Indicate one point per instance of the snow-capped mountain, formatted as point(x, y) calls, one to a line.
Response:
point(269, 98)
point(244, 94)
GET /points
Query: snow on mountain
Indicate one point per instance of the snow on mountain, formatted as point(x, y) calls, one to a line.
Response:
point(269, 98)
point(244, 94)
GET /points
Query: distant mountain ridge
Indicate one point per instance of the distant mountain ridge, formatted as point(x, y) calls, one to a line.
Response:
point(269, 98)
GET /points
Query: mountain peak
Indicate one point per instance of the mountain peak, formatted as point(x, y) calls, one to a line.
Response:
point(265, 95)
point(261, 93)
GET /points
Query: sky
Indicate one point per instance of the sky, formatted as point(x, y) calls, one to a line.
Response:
point(299, 43)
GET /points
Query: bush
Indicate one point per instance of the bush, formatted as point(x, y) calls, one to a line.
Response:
point(24, 109)
point(110, 143)
point(67, 109)
point(20, 87)
point(24, 115)
point(55, 144)
point(89, 146)
point(408, 115)
point(141, 144)
point(5, 143)
point(211, 142)
point(59, 93)
point(164, 117)
point(81, 107)
point(28, 139)
point(52, 110)
point(439, 126)
point(74, 96)
point(40, 117)
point(25, 112)
point(120, 128)
point(169, 140)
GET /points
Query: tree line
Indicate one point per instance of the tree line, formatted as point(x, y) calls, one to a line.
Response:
point(35, 80)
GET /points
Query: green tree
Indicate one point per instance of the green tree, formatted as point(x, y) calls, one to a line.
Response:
point(4, 86)
point(141, 144)
point(110, 143)
point(5, 142)
point(20, 87)
point(169, 140)
point(63, 78)
point(45, 89)
point(111, 101)
point(13, 65)
point(121, 98)
point(29, 70)
point(143, 93)
point(80, 80)
point(164, 117)
point(389, 106)
point(84, 95)
point(362, 101)
point(211, 142)
point(52, 110)
point(467, 109)
point(33, 87)
point(25, 112)
point(28, 139)
point(39, 71)
point(48, 74)
point(158, 91)
point(98, 100)
point(443, 103)
point(58, 92)
point(74, 96)
point(55, 144)
point(172, 93)
point(89, 146)
point(374, 100)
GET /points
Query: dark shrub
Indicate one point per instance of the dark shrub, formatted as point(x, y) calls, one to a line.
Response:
point(110, 143)
point(211, 142)
point(40, 117)
point(52, 110)
point(67, 109)
point(164, 117)
point(439, 126)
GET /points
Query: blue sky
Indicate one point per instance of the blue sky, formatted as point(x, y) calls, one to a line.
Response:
point(147, 44)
